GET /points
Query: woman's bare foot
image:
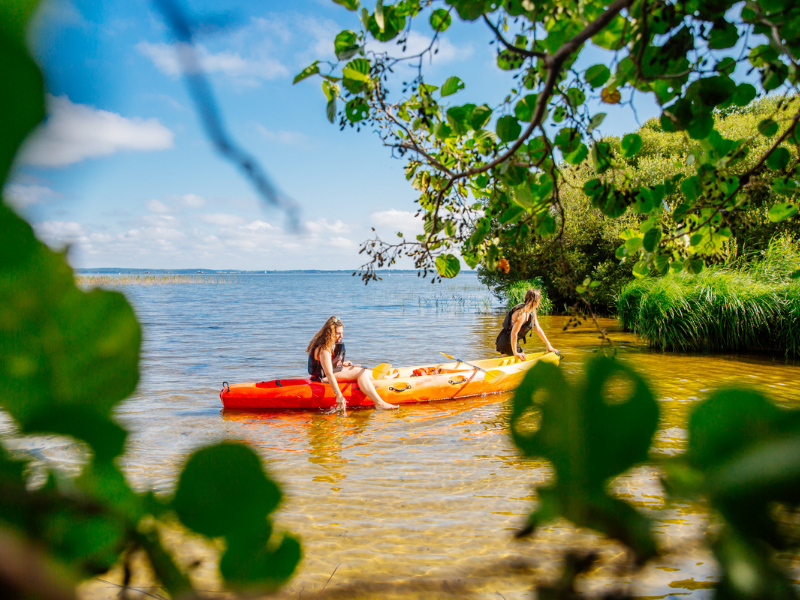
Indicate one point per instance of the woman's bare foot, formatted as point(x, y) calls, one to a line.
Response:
point(385, 406)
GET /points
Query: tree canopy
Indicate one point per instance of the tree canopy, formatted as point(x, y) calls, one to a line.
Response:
point(491, 177)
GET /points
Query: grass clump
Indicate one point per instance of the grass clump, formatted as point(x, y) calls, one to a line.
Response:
point(750, 305)
point(514, 293)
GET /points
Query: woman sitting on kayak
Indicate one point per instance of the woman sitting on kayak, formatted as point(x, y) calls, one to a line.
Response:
point(518, 323)
point(326, 363)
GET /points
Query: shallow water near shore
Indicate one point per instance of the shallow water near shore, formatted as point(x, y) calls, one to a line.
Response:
point(419, 502)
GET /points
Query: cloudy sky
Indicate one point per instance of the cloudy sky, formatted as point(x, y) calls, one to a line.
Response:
point(123, 173)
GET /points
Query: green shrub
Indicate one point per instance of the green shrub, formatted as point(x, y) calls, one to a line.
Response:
point(749, 305)
point(514, 294)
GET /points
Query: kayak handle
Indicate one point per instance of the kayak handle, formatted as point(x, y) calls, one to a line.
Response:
point(463, 380)
point(394, 389)
point(226, 387)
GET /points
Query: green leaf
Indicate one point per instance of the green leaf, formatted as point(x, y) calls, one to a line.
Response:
point(576, 97)
point(21, 83)
point(768, 127)
point(348, 4)
point(451, 86)
point(701, 126)
point(651, 239)
point(597, 75)
point(330, 110)
point(60, 348)
point(511, 215)
point(723, 35)
point(641, 270)
point(593, 187)
point(744, 95)
point(778, 159)
point(447, 265)
point(612, 37)
point(595, 121)
point(546, 225)
point(224, 491)
point(508, 128)
point(525, 107)
point(251, 560)
point(578, 155)
point(693, 266)
point(589, 438)
point(631, 145)
point(440, 19)
point(781, 212)
point(480, 117)
point(379, 16)
point(345, 45)
point(310, 70)
point(356, 109)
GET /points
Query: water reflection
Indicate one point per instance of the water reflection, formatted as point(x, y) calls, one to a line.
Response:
point(419, 502)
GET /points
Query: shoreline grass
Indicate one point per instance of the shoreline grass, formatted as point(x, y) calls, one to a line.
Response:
point(514, 294)
point(749, 306)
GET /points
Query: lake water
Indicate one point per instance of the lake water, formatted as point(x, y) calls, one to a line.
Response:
point(419, 502)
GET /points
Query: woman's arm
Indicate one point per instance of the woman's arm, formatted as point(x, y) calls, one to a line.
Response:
point(327, 367)
point(518, 321)
point(548, 347)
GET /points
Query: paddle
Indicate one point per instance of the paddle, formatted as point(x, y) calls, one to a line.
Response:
point(490, 376)
point(381, 371)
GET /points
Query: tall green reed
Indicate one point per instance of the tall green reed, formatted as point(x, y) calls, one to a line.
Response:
point(749, 305)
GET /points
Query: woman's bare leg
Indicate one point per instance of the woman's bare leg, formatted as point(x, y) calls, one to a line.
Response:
point(361, 376)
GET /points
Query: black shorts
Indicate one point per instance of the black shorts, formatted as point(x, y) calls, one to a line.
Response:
point(503, 344)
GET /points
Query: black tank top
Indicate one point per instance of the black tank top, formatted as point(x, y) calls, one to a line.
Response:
point(315, 367)
point(503, 343)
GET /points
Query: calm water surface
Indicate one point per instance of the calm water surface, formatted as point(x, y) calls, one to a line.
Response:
point(420, 502)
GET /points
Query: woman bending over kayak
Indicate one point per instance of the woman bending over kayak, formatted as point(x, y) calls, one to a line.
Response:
point(326, 363)
point(517, 325)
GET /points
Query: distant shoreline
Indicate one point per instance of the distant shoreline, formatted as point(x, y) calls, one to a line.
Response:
point(124, 271)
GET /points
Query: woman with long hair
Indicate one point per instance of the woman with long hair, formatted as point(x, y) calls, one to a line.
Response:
point(326, 362)
point(518, 323)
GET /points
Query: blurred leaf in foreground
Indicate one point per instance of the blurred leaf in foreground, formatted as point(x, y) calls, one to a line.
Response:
point(589, 437)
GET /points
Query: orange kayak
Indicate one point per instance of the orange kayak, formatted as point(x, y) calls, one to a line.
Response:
point(401, 386)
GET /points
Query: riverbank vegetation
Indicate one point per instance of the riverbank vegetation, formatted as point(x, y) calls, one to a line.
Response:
point(602, 249)
point(749, 305)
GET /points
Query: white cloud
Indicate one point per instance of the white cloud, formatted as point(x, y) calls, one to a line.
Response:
point(290, 138)
point(59, 233)
point(172, 59)
point(155, 206)
point(22, 196)
point(391, 221)
point(417, 42)
point(75, 132)
point(222, 219)
point(191, 201)
point(322, 226)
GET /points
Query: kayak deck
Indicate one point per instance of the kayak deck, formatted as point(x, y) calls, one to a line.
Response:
point(406, 385)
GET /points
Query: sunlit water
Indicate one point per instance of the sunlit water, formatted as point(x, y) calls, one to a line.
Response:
point(420, 502)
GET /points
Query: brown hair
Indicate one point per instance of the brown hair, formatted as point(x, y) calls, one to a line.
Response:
point(533, 298)
point(325, 337)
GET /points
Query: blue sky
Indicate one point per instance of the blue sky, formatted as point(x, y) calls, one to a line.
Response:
point(124, 174)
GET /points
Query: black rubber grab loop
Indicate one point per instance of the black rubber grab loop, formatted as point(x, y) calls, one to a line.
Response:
point(394, 389)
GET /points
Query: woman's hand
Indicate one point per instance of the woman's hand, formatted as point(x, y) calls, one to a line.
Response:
point(520, 355)
point(341, 403)
point(549, 348)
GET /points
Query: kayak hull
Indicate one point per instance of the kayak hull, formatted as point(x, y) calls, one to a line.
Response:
point(402, 386)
